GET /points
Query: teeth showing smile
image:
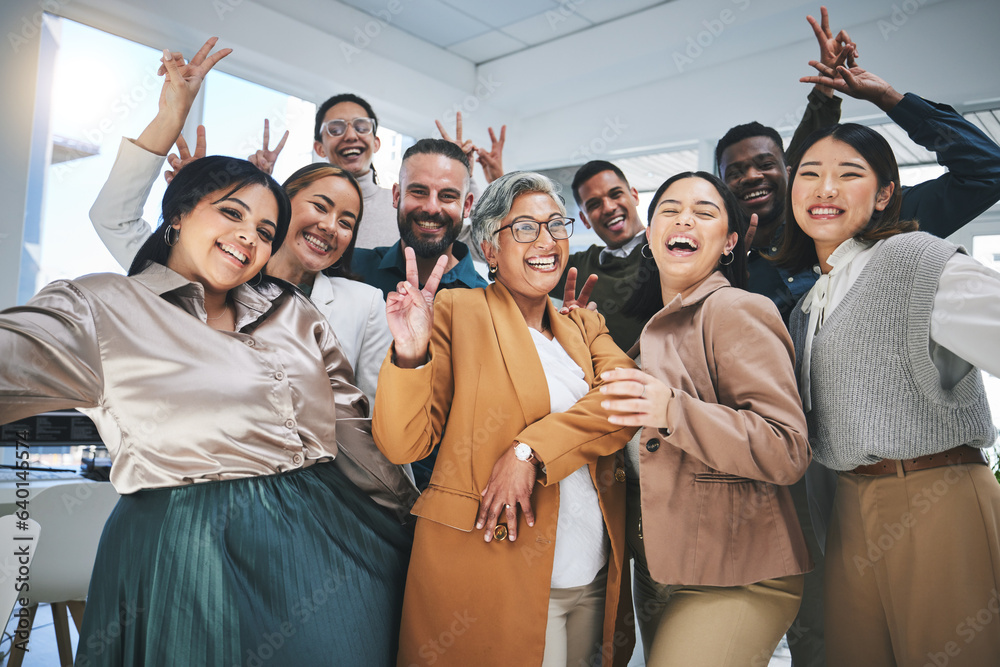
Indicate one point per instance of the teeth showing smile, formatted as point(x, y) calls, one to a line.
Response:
point(232, 250)
point(616, 222)
point(825, 210)
point(678, 242)
point(756, 194)
point(351, 152)
point(542, 263)
point(428, 225)
point(319, 243)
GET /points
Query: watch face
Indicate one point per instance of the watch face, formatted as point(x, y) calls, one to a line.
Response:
point(522, 452)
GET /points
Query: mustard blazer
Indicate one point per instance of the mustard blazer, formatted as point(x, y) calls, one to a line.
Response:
point(469, 602)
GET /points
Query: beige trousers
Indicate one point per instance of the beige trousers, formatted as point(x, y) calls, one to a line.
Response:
point(913, 570)
point(575, 628)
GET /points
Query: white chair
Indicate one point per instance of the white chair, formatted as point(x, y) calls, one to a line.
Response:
point(72, 517)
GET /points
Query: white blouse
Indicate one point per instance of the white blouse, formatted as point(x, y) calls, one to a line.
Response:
point(582, 544)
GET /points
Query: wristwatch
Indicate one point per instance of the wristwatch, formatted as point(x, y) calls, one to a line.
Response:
point(523, 452)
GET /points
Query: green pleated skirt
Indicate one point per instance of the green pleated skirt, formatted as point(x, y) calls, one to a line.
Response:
point(297, 569)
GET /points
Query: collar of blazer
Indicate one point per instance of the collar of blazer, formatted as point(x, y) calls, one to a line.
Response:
point(518, 349)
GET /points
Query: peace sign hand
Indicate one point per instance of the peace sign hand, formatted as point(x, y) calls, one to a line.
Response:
point(183, 156)
point(570, 299)
point(467, 146)
point(410, 312)
point(264, 159)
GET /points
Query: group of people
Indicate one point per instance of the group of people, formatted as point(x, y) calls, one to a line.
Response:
point(368, 454)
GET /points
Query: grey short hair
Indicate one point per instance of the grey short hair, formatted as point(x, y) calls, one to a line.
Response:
point(496, 201)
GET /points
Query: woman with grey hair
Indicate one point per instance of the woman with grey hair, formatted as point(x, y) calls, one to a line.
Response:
point(509, 391)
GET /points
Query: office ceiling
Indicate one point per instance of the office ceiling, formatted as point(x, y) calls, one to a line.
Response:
point(577, 79)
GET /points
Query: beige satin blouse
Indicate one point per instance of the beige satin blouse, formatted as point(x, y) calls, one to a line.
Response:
point(174, 400)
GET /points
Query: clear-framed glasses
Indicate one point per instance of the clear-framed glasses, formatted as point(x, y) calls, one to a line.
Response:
point(338, 126)
point(526, 230)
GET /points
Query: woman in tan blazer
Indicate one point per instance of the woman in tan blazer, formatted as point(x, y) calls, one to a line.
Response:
point(507, 389)
point(718, 549)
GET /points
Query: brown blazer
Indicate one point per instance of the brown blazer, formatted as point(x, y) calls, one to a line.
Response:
point(468, 602)
point(716, 510)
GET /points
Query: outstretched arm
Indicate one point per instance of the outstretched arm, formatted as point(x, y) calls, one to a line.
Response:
point(972, 183)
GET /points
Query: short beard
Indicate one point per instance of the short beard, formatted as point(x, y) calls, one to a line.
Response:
point(428, 249)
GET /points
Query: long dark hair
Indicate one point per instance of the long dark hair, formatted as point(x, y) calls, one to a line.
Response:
point(310, 174)
point(647, 298)
point(197, 180)
point(797, 251)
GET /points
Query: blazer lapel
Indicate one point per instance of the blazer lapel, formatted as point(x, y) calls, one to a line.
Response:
point(519, 355)
point(572, 340)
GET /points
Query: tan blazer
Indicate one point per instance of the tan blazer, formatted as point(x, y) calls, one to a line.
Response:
point(716, 510)
point(468, 602)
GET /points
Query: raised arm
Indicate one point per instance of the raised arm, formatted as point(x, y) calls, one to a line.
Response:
point(823, 108)
point(972, 183)
point(51, 355)
point(117, 212)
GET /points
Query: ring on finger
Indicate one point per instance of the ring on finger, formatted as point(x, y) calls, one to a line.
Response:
point(643, 394)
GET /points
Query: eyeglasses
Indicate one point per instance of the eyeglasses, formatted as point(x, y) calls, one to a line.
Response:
point(338, 126)
point(526, 230)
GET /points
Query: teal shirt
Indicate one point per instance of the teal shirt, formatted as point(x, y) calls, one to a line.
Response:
point(385, 267)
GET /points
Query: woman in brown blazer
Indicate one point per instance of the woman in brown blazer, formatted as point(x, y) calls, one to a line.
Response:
point(507, 389)
point(718, 549)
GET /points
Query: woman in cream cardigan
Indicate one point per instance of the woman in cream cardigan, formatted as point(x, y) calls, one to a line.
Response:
point(504, 571)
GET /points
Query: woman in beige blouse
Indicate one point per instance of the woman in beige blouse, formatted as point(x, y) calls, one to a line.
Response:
point(222, 396)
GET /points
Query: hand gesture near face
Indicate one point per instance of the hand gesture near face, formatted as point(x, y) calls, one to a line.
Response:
point(265, 158)
point(467, 146)
point(183, 156)
point(410, 312)
point(570, 300)
point(492, 161)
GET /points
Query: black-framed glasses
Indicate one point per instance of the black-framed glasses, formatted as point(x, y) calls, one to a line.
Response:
point(338, 126)
point(526, 230)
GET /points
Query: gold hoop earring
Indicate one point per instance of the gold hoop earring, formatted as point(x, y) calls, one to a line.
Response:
point(731, 256)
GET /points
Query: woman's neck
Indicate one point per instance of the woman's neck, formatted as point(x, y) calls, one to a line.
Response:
point(533, 310)
point(283, 268)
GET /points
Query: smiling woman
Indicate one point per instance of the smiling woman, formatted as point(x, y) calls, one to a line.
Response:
point(722, 428)
point(503, 357)
point(890, 341)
